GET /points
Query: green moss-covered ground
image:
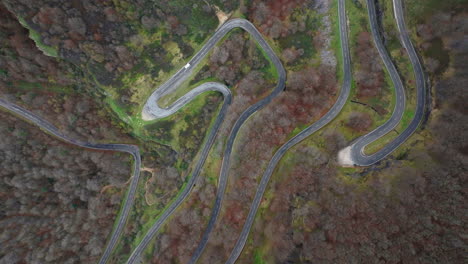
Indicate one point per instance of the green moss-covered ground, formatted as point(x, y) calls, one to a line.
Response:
point(34, 35)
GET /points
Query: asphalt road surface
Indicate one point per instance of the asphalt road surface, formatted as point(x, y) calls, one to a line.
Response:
point(396, 117)
point(152, 111)
point(324, 120)
point(356, 150)
point(131, 149)
point(171, 85)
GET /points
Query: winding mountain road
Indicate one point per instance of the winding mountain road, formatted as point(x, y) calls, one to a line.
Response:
point(354, 155)
point(151, 111)
point(324, 120)
point(131, 149)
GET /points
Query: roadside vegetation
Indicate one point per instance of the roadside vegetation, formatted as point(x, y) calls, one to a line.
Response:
point(34, 35)
point(118, 52)
point(371, 99)
point(318, 185)
point(405, 69)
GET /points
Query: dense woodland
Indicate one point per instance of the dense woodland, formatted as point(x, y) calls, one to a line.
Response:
point(66, 60)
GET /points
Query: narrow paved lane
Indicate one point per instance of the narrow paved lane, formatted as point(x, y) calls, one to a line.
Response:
point(328, 117)
point(131, 149)
point(354, 154)
point(152, 110)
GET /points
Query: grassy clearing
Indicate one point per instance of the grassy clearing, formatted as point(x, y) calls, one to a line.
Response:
point(36, 37)
point(120, 111)
point(269, 70)
point(213, 162)
point(335, 41)
point(297, 130)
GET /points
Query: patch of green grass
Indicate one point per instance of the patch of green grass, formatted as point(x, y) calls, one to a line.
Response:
point(238, 14)
point(258, 258)
point(344, 171)
point(380, 143)
point(297, 130)
point(144, 38)
point(408, 115)
point(36, 37)
point(269, 70)
point(358, 21)
point(335, 41)
point(121, 111)
point(153, 130)
point(375, 146)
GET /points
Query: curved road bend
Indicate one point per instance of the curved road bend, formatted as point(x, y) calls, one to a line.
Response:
point(329, 116)
point(151, 111)
point(131, 149)
point(356, 150)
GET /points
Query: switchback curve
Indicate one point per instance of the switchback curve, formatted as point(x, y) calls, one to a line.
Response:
point(152, 111)
point(354, 155)
point(324, 120)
